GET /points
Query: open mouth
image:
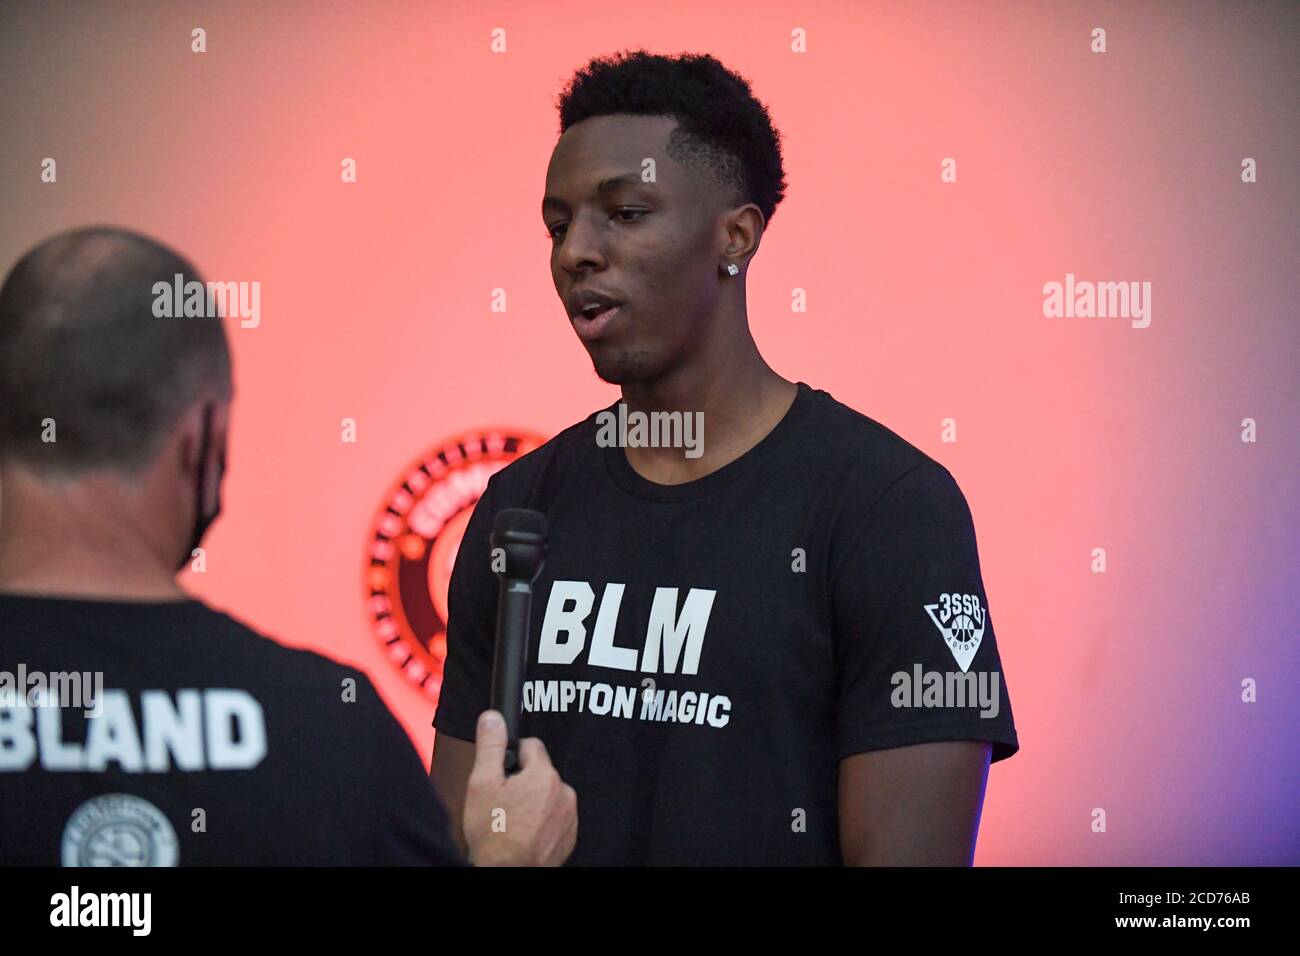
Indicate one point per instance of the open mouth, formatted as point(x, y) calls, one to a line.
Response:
point(593, 322)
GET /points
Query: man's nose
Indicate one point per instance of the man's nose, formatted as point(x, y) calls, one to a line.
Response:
point(582, 246)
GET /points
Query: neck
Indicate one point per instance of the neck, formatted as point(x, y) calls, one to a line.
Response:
point(78, 539)
point(740, 399)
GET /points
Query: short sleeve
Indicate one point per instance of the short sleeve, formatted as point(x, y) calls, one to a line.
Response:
point(471, 627)
point(411, 826)
point(916, 656)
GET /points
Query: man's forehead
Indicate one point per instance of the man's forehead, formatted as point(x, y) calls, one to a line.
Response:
point(617, 131)
point(606, 148)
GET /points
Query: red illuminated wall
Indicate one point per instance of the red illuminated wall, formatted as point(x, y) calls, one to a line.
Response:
point(924, 303)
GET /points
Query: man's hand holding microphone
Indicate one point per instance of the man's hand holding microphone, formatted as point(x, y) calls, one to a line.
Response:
point(529, 818)
point(518, 812)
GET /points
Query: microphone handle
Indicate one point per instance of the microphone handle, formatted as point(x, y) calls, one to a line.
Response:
point(513, 605)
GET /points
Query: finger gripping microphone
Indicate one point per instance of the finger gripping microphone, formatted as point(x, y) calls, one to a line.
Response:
point(519, 535)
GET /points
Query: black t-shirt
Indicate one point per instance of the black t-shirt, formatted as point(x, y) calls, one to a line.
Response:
point(703, 655)
point(208, 744)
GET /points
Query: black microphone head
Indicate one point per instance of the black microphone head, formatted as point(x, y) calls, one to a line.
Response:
point(521, 534)
point(521, 520)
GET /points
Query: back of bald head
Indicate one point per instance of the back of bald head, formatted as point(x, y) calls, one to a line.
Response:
point(84, 360)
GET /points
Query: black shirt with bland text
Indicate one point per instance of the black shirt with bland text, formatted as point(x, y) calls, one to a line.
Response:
point(167, 733)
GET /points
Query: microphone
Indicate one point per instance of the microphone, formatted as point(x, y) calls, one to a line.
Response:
point(521, 534)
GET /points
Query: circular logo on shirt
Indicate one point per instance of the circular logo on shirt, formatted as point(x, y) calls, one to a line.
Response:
point(414, 541)
point(963, 628)
point(118, 829)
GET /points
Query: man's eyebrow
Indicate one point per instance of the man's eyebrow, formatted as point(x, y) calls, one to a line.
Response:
point(602, 187)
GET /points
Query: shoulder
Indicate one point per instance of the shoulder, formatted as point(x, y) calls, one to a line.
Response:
point(266, 655)
point(570, 449)
point(866, 459)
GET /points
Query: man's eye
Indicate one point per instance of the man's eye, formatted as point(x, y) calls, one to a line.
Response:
point(550, 233)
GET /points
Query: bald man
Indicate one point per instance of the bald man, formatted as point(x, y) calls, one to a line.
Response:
point(138, 725)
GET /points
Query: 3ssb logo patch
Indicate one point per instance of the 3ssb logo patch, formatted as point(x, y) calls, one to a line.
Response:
point(960, 619)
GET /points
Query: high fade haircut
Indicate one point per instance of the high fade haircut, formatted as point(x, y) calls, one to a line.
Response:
point(80, 344)
point(723, 130)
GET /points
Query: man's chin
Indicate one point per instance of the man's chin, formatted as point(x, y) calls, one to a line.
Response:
point(621, 369)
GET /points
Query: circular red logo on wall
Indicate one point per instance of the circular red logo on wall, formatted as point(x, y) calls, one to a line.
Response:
point(414, 541)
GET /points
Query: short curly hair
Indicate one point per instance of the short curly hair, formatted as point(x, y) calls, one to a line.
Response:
point(722, 129)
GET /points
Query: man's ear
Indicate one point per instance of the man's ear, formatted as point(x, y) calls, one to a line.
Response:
point(220, 430)
point(190, 438)
point(217, 455)
point(189, 433)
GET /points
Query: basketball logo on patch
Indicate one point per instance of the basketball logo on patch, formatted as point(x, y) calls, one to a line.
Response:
point(118, 829)
point(960, 619)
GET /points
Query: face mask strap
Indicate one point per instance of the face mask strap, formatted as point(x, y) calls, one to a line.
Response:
point(201, 521)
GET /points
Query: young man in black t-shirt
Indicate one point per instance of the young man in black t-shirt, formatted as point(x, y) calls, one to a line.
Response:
point(768, 642)
point(139, 726)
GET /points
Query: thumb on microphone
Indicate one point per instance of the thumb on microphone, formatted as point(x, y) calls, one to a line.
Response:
point(490, 748)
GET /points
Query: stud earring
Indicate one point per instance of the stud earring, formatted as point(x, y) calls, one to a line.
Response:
point(732, 269)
